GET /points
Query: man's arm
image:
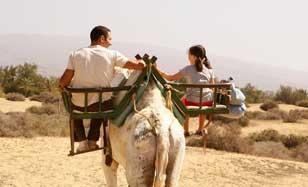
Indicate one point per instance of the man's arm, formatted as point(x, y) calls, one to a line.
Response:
point(132, 64)
point(66, 78)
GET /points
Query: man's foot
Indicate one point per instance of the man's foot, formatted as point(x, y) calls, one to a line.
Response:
point(83, 146)
point(186, 134)
point(92, 145)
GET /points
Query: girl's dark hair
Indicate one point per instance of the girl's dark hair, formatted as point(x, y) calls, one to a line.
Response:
point(200, 52)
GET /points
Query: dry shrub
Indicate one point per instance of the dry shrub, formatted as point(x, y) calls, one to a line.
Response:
point(254, 114)
point(44, 109)
point(223, 137)
point(12, 125)
point(292, 117)
point(293, 140)
point(271, 149)
point(300, 153)
point(45, 97)
point(14, 96)
point(302, 103)
point(30, 125)
point(273, 114)
point(304, 114)
point(268, 105)
point(265, 135)
point(243, 121)
point(227, 138)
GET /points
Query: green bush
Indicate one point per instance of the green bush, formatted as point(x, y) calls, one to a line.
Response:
point(254, 95)
point(268, 105)
point(15, 97)
point(26, 80)
point(2, 94)
point(290, 95)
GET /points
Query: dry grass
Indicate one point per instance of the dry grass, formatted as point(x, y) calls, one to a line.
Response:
point(300, 153)
point(48, 109)
point(274, 114)
point(26, 124)
point(271, 149)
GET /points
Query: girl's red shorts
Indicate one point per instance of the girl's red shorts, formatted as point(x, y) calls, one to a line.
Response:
point(190, 103)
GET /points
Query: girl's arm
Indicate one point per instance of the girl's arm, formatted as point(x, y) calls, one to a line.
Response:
point(169, 77)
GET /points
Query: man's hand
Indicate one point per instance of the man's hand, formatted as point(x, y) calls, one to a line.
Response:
point(66, 79)
point(141, 63)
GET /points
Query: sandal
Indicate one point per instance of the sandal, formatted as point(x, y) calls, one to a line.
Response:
point(186, 134)
point(198, 133)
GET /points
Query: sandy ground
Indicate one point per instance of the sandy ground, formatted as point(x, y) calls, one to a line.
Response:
point(44, 162)
point(16, 106)
point(299, 128)
point(285, 107)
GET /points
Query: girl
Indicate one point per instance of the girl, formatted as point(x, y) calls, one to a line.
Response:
point(199, 71)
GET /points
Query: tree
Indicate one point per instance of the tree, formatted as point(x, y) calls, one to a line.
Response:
point(23, 79)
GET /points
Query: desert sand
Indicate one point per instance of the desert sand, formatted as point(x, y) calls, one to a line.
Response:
point(285, 107)
point(16, 106)
point(43, 161)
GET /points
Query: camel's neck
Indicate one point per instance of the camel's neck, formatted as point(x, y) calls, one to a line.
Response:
point(152, 97)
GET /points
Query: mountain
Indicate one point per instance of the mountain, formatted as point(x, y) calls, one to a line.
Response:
point(50, 53)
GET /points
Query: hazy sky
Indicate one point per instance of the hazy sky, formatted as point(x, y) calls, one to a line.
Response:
point(265, 31)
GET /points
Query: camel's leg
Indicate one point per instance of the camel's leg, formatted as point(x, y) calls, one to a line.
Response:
point(176, 156)
point(110, 173)
point(140, 172)
point(140, 168)
point(161, 162)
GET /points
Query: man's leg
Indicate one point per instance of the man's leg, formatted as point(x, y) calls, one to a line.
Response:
point(79, 131)
point(80, 135)
point(94, 131)
point(186, 126)
point(95, 124)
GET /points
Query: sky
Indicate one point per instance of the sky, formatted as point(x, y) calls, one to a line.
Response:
point(271, 32)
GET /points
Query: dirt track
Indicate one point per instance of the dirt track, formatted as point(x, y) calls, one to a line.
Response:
point(43, 162)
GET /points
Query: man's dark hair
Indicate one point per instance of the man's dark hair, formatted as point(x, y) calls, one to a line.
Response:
point(99, 31)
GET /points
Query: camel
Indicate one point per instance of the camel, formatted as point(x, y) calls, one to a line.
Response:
point(150, 145)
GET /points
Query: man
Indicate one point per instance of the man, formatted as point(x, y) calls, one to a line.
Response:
point(93, 66)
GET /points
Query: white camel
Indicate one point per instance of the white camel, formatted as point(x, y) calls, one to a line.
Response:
point(149, 159)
